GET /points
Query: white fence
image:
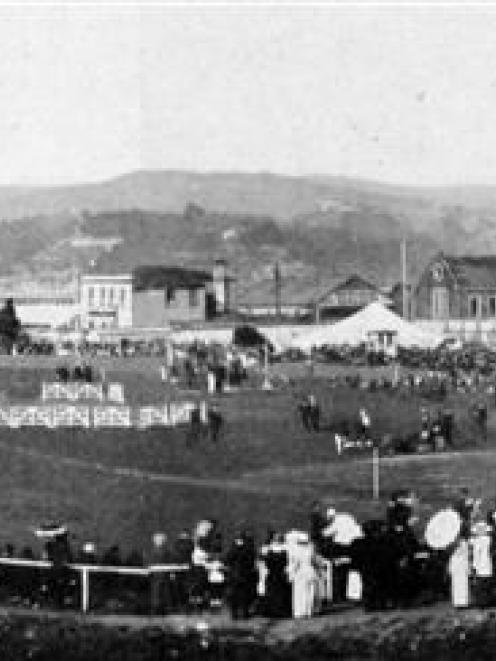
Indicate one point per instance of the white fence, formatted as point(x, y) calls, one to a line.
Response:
point(85, 571)
point(101, 416)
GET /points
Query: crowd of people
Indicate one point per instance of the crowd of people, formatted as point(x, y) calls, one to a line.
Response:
point(336, 562)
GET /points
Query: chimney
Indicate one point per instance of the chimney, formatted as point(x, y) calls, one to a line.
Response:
point(220, 283)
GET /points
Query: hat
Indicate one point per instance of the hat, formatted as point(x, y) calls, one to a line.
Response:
point(480, 528)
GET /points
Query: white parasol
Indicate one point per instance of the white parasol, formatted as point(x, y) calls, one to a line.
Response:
point(344, 529)
point(443, 528)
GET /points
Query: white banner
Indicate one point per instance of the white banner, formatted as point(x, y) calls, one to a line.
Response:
point(71, 416)
point(111, 416)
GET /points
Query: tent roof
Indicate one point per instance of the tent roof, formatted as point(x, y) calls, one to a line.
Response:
point(356, 329)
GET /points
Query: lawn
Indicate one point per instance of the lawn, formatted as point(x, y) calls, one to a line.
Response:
point(118, 486)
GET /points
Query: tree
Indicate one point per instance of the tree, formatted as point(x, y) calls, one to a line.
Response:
point(10, 325)
point(193, 211)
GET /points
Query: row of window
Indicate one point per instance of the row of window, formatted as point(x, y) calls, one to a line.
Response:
point(170, 297)
point(357, 297)
point(107, 295)
point(475, 306)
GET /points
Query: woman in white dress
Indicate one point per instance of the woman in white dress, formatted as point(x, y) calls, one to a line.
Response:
point(303, 576)
point(459, 568)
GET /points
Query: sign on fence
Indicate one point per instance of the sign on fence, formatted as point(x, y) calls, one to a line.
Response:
point(115, 393)
point(30, 416)
point(71, 416)
point(71, 391)
point(180, 412)
point(111, 416)
point(149, 416)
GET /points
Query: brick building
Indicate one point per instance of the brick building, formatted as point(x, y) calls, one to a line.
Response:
point(166, 295)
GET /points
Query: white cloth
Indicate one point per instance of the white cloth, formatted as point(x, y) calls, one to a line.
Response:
point(481, 555)
point(458, 568)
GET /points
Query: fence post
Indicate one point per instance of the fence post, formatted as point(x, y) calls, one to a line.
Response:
point(85, 589)
point(375, 472)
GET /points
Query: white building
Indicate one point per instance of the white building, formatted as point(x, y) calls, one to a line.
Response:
point(106, 301)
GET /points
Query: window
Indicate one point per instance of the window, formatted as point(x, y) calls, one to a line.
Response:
point(91, 324)
point(170, 295)
point(193, 298)
point(111, 295)
point(123, 295)
point(102, 295)
point(492, 306)
point(91, 295)
point(473, 306)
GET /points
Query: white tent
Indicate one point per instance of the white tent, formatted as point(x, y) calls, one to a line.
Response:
point(358, 328)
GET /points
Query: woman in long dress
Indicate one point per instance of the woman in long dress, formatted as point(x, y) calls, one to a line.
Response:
point(458, 568)
point(303, 576)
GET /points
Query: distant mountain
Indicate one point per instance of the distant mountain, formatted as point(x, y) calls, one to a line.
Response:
point(317, 227)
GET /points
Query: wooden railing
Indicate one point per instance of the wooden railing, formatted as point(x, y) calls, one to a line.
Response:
point(86, 570)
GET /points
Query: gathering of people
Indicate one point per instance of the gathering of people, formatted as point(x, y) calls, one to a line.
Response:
point(336, 563)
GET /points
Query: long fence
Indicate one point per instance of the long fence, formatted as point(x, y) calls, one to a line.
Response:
point(100, 416)
point(31, 576)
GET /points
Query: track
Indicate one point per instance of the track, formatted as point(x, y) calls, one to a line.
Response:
point(138, 474)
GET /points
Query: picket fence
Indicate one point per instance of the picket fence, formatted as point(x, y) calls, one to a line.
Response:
point(100, 416)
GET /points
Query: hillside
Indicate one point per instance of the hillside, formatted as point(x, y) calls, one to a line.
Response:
point(317, 227)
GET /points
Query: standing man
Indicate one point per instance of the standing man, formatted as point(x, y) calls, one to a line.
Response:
point(215, 422)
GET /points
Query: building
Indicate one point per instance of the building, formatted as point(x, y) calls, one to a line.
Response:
point(164, 295)
point(51, 300)
point(457, 287)
point(150, 297)
point(396, 296)
point(105, 301)
point(291, 300)
point(346, 298)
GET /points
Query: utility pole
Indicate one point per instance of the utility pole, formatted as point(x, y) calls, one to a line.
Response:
point(277, 283)
point(404, 293)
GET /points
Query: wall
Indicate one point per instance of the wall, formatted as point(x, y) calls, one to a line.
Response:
point(46, 315)
point(152, 310)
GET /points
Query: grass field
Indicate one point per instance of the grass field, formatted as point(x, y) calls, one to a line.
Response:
point(118, 486)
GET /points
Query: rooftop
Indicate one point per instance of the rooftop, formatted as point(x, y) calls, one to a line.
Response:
point(175, 277)
point(473, 271)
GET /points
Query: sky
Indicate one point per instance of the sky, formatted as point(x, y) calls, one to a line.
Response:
point(397, 94)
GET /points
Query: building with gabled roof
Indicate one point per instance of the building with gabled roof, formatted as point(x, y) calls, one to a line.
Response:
point(457, 287)
point(347, 297)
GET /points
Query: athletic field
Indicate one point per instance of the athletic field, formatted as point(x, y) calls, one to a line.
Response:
point(119, 486)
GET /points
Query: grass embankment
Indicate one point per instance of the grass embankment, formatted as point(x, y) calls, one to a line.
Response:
point(434, 634)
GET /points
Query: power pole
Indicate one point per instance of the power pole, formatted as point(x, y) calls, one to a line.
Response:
point(277, 283)
point(404, 294)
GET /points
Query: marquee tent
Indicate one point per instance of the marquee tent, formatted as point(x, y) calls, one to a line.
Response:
point(372, 319)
